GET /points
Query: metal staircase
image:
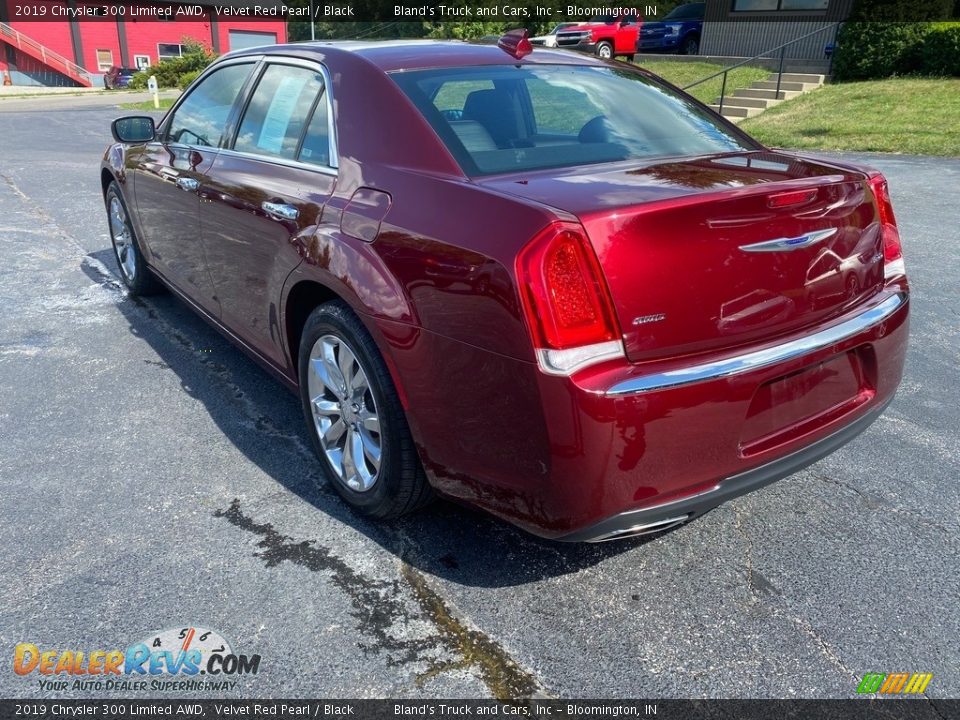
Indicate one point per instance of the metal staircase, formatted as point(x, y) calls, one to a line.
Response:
point(46, 56)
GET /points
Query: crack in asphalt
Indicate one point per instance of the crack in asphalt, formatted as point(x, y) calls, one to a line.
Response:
point(378, 605)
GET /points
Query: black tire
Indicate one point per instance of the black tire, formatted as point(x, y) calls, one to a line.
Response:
point(691, 45)
point(139, 280)
point(400, 486)
point(603, 47)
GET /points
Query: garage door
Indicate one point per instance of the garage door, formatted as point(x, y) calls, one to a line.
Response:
point(240, 39)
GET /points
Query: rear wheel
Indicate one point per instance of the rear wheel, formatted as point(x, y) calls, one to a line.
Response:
point(355, 418)
point(605, 50)
point(126, 248)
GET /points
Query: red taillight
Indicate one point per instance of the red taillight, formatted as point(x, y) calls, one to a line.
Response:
point(892, 250)
point(564, 295)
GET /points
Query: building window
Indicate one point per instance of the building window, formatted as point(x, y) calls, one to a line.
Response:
point(775, 5)
point(104, 60)
point(141, 61)
point(165, 51)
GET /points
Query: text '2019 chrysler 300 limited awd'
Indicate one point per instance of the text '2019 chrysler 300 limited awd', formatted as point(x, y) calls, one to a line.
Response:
point(547, 285)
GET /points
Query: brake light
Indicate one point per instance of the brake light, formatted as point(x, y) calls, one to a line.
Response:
point(566, 301)
point(892, 249)
point(794, 197)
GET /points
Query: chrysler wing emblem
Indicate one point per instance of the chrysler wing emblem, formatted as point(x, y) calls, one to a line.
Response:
point(794, 243)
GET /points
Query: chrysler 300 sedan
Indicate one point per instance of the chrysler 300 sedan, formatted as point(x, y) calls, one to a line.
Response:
point(540, 283)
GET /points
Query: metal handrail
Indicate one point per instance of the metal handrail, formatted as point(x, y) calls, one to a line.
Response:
point(46, 54)
point(781, 48)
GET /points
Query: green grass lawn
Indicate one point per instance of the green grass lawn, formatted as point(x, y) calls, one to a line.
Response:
point(682, 74)
point(148, 104)
point(919, 116)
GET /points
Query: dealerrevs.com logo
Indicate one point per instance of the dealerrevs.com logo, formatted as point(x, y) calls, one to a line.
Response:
point(183, 653)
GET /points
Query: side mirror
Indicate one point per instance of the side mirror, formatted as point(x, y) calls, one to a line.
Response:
point(133, 129)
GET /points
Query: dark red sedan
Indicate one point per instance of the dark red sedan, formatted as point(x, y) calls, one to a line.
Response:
point(547, 285)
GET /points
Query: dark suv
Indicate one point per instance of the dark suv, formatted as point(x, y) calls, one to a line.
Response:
point(678, 32)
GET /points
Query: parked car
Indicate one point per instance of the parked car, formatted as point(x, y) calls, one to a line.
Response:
point(547, 285)
point(550, 39)
point(679, 31)
point(118, 77)
point(606, 36)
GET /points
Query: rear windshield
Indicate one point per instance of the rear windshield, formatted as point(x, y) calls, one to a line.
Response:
point(504, 118)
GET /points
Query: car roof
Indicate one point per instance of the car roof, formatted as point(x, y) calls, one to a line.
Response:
point(393, 55)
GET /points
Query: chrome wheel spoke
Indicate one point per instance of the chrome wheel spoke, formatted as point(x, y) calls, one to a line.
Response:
point(332, 377)
point(371, 449)
point(334, 432)
point(350, 475)
point(327, 408)
point(370, 421)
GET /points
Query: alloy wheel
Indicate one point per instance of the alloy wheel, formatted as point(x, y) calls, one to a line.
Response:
point(122, 239)
point(344, 413)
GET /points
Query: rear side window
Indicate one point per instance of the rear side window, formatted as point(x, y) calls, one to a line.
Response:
point(505, 118)
point(278, 111)
point(201, 119)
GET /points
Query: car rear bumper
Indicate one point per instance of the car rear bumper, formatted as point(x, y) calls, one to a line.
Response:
point(582, 46)
point(607, 452)
point(671, 514)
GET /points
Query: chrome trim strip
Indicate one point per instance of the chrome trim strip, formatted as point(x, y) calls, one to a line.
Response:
point(762, 358)
point(785, 244)
point(642, 529)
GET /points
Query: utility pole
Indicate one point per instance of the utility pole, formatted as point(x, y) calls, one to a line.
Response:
point(313, 32)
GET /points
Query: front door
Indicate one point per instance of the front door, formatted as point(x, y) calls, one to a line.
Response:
point(263, 198)
point(171, 171)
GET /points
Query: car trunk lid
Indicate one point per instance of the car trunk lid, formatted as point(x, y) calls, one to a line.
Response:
point(712, 253)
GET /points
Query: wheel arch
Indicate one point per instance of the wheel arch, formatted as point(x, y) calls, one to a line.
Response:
point(303, 297)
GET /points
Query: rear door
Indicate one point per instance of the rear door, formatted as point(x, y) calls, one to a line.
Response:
point(264, 196)
point(170, 172)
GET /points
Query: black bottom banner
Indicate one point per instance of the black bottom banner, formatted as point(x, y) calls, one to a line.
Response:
point(919, 708)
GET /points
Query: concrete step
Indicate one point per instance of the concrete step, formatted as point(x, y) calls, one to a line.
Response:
point(767, 94)
point(736, 112)
point(772, 85)
point(799, 77)
point(734, 101)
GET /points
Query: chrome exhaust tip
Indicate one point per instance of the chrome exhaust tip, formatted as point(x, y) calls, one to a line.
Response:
point(645, 529)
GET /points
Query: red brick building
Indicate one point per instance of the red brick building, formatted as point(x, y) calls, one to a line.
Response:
point(73, 42)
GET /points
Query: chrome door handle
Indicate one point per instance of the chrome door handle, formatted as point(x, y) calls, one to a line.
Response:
point(188, 184)
point(280, 211)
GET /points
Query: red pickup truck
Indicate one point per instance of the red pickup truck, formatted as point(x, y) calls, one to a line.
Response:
point(605, 36)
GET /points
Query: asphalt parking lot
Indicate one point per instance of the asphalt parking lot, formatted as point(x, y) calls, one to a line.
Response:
point(153, 477)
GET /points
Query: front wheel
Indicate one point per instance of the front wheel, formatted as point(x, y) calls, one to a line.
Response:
point(691, 45)
point(126, 248)
point(356, 422)
point(605, 51)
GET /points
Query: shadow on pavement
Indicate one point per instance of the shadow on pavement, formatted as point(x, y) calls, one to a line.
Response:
point(263, 420)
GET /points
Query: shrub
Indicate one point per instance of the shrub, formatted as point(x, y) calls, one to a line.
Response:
point(169, 72)
point(867, 50)
point(939, 53)
point(187, 78)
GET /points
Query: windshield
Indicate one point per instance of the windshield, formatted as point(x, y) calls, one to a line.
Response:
point(504, 118)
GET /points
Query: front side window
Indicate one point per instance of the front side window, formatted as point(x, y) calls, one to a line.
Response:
point(201, 119)
point(505, 118)
point(279, 109)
